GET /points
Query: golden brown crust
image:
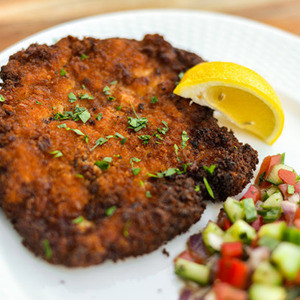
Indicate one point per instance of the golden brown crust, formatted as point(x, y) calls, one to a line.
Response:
point(42, 195)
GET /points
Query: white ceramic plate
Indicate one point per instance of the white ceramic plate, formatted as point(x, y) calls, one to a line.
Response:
point(271, 52)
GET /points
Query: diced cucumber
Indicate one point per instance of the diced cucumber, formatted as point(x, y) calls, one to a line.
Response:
point(273, 176)
point(273, 230)
point(211, 228)
point(270, 191)
point(242, 231)
point(265, 273)
point(192, 271)
point(273, 201)
point(292, 235)
point(287, 257)
point(265, 292)
point(268, 241)
point(249, 209)
point(270, 215)
point(234, 209)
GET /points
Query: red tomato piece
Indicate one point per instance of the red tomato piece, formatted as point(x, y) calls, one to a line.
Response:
point(232, 271)
point(287, 176)
point(233, 249)
point(185, 255)
point(297, 214)
point(227, 224)
point(297, 223)
point(254, 193)
point(224, 291)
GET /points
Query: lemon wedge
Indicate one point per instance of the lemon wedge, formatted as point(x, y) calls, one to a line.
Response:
point(242, 95)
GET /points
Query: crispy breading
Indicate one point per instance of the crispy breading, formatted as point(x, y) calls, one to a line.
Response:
point(69, 210)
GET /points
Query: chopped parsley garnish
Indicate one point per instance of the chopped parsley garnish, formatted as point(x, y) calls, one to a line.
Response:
point(110, 211)
point(209, 170)
point(123, 139)
point(77, 131)
point(210, 191)
point(103, 164)
point(2, 99)
point(137, 123)
point(83, 86)
point(153, 100)
point(63, 126)
point(106, 90)
point(142, 183)
point(99, 116)
point(47, 249)
point(145, 138)
point(180, 75)
point(84, 56)
point(62, 72)
point(86, 96)
point(110, 98)
point(86, 138)
point(114, 82)
point(157, 135)
point(72, 98)
point(37, 102)
point(176, 151)
point(99, 142)
point(80, 113)
point(163, 131)
point(185, 138)
point(148, 194)
point(261, 178)
point(136, 171)
point(119, 107)
point(134, 159)
point(235, 147)
point(79, 176)
point(126, 228)
point(78, 220)
point(56, 153)
point(170, 172)
point(197, 188)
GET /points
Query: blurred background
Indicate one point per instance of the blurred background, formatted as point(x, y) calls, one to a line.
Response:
point(21, 18)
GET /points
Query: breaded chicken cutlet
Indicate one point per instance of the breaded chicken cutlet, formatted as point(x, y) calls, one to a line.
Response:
point(99, 159)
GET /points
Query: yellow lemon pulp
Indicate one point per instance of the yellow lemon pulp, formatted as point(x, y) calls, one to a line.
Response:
point(245, 97)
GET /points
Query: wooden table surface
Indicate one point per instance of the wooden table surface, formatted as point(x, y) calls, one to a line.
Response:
point(21, 18)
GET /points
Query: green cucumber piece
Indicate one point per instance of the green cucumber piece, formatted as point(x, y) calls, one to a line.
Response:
point(192, 271)
point(265, 273)
point(273, 175)
point(268, 241)
point(287, 257)
point(242, 231)
point(292, 235)
point(265, 292)
point(270, 215)
point(273, 201)
point(249, 209)
point(211, 228)
point(274, 230)
point(270, 191)
point(234, 209)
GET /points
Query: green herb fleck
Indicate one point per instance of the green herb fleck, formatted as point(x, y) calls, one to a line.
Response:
point(261, 178)
point(119, 107)
point(126, 228)
point(99, 142)
point(209, 170)
point(86, 138)
point(136, 171)
point(77, 131)
point(80, 113)
point(84, 56)
point(99, 117)
point(185, 138)
point(197, 188)
point(145, 138)
point(103, 164)
point(170, 172)
point(56, 153)
point(72, 98)
point(153, 100)
point(123, 139)
point(86, 96)
point(113, 82)
point(176, 151)
point(37, 102)
point(106, 90)
point(137, 124)
point(110, 98)
point(63, 126)
point(2, 99)
point(180, 75)
point(47, 249)
point(84, 116)
point(78, 220)
point(235, 147)
point(62, 72)
point(110, 211)
point(79, 176)
point(134, 159)
point(148, 194)
point(142, 183)
point(210, 191)
point(83, 87)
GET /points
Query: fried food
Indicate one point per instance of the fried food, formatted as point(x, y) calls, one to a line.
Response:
point(89, 170)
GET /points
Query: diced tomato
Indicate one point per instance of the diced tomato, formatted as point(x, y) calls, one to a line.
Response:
point(233, 249)
point(227, 224)
point(297, 223)
point(297, 214)
point(224, 291)
point(287, 176)
point(258, 223)
point(297, 187)
point(232, 271)
point(266, 168)
point(254, 193)
point(185, 255)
